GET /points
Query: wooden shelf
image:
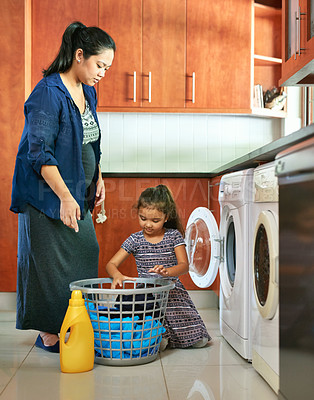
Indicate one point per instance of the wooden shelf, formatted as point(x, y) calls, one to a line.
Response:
point(266, 112)
point(265, 60)
point(266, 11)
point(266, 56)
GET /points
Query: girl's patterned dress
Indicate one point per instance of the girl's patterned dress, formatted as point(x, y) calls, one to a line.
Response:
point(184, 326)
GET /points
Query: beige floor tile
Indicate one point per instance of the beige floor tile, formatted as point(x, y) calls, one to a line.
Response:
point(218, 352)
point(216, 383)
point(41, 358)
point(103, 382)
point(7, 316)
point(213, 373)
point(21, 342)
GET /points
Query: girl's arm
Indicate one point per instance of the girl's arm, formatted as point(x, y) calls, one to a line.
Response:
point(69, 209)
point(112, 268)
point(180, 269)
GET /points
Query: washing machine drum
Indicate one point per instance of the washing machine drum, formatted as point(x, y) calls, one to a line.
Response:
point(202, 245)
point(265, 264)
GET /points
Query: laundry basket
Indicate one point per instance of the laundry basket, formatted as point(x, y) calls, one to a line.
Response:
point(127, 322)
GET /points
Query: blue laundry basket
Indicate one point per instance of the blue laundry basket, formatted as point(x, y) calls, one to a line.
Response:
point(127, 322)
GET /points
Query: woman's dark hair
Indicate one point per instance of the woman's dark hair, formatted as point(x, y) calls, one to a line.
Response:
point(91, 40)
point(161, 198)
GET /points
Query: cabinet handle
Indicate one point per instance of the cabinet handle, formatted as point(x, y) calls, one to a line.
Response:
point(298, 47)
point(296, 39)
point(134, 86)
point(299, 30)
point(149, 87)
point(193, 87)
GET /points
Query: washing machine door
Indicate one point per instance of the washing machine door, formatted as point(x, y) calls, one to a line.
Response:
point(203, 247)
point(230, 231)
point(265, 264)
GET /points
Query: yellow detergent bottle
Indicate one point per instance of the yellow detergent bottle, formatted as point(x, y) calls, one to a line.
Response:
point(77, 353)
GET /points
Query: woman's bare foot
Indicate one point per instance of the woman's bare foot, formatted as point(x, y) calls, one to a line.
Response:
point(49, 339)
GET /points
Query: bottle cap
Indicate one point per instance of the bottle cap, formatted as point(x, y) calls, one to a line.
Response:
point(76, 299)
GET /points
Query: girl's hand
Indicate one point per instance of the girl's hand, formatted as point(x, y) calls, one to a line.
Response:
point(70, 212)
point(100, 191)
point(119, 279)
point(160, 270)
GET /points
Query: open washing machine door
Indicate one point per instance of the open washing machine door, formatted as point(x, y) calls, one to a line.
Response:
point(265, 265)
point(203, 247)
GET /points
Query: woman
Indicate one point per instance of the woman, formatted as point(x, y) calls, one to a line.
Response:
point(57, 182)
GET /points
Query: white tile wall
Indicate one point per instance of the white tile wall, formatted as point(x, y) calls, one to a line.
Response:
point(143, 142)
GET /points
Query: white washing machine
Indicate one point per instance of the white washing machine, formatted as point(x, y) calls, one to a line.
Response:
point(229, 249)
point(265, 274)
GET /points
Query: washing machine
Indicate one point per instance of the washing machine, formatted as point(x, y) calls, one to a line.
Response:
point(265, 275)
point(226, 249)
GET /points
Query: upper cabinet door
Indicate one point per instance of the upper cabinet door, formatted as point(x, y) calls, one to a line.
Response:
point(49, 21)
point(219, 54)
point(298, 38)
point(122, 19)
point(164, 35)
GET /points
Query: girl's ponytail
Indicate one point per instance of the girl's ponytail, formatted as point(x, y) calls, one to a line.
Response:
point(91, 40)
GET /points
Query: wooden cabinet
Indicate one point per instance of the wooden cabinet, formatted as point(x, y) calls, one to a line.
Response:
point(49, 20)
point(218, 55)
point(122, 85)
point(298, 39)
point(163, 53)
point(177, 56)
point(267, 60)
point(122, 194)
point(148, 70)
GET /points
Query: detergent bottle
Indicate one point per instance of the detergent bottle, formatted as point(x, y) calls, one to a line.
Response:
point(77, 353)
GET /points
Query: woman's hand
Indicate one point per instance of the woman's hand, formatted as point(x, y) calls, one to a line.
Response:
point(160, 270)
point(100, 190)
point(69, 209)
point(70, 212)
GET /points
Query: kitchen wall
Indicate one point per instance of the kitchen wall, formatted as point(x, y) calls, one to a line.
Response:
point(144, 142)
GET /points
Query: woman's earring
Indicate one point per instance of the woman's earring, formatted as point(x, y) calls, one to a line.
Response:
point(78, 61)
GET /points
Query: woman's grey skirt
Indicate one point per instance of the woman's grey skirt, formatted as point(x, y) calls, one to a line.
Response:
point(50, 257)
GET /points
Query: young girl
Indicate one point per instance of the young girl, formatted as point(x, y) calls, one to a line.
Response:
point(159, 248)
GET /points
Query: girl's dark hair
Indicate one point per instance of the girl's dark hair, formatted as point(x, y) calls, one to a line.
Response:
point(161, 198)
point(91, 40)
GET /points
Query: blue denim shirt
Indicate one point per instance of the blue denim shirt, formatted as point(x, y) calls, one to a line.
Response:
point(52, 135)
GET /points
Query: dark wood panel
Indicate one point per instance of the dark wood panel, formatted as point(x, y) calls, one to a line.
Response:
point(12, 119)
point(164, 35)
point(219, 52)
point(123, 21)
point(49, 20)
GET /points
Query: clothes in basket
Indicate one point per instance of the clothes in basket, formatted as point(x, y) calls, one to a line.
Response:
point(124, 337)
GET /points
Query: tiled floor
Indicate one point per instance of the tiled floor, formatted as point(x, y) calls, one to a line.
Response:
point(216, 372)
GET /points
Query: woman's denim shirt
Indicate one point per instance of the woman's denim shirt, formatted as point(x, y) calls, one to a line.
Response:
point(52, 135)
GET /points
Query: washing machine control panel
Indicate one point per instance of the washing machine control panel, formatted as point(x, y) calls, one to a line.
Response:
point(236, 188)
point(230, 190)
point(265, 185)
